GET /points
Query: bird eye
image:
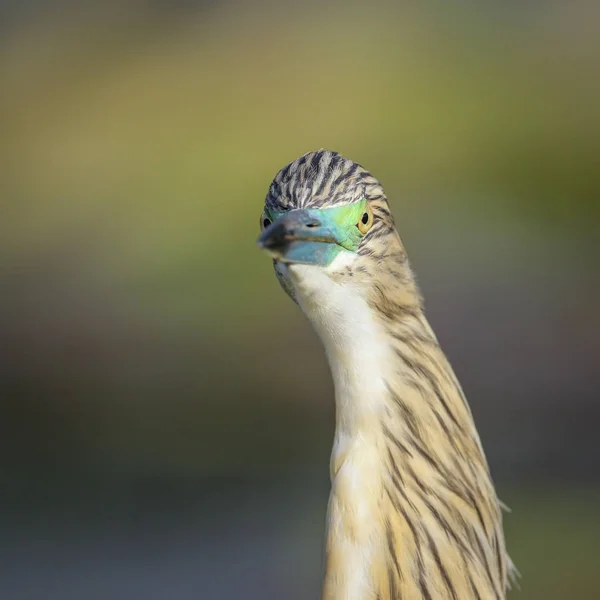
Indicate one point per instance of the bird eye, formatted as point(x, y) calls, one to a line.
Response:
point(264, 221)
point(366, 221)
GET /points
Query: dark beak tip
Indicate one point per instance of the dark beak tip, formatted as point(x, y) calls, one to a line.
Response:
point(263, 238)
point(269, 243)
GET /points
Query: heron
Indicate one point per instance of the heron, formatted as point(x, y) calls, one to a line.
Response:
point(412, 511)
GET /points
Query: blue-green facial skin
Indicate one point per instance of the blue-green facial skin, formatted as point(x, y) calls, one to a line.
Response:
point(314, 236)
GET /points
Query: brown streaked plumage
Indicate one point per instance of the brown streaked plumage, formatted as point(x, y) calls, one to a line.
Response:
point(413, 513)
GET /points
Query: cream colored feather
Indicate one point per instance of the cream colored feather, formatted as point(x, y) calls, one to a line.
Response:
point(413, 512)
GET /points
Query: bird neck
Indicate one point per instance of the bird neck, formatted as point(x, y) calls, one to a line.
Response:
point(355, 345)
point(404, 438)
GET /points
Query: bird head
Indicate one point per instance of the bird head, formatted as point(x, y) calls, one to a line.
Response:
point(326, 223)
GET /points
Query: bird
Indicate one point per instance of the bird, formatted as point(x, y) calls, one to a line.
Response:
point(412, 511)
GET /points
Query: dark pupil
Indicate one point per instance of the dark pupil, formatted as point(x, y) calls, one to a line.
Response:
point(365, 218)
point(266, 223)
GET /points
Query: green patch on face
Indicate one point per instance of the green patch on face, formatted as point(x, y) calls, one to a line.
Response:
point(314, 235)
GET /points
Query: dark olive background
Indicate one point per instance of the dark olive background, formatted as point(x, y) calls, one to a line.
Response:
point(166, 412)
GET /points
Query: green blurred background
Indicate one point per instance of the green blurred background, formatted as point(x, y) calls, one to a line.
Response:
point(166, 412)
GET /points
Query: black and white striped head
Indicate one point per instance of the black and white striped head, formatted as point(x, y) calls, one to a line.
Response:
point(318, 180)
point(329, 214)
point(322, 198)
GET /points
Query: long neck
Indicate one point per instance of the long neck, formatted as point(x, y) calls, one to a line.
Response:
point(413, 512)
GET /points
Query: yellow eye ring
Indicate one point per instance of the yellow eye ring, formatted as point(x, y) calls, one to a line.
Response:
point(264, 221)
point(366, 220)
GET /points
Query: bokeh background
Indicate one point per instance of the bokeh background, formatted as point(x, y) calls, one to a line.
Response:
point(166, 412)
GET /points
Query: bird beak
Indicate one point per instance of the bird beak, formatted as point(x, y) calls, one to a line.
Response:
point(304, 236)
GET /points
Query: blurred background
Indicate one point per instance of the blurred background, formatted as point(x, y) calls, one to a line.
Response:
point(146, 448)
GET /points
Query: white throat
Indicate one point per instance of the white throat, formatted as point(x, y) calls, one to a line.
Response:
point(355, 346)
point(354, 343)
point(353, 339)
